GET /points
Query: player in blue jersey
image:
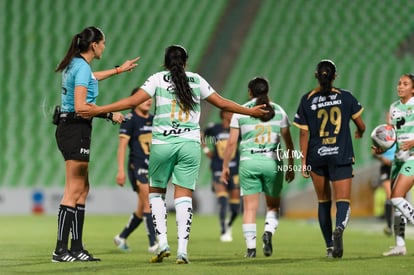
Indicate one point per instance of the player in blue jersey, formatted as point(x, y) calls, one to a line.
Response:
point(73, 136)
point(402, 171)
point(135, 132)
point(261, 163)
point(216, 136)
point(323, 116)
point(175, 148)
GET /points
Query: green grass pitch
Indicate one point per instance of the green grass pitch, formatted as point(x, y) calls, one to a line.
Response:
point(27, 243)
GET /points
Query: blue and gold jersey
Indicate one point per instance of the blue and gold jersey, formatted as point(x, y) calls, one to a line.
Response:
point(327, 118)
point(78, 73)
point(139, 132)
point(217, 135)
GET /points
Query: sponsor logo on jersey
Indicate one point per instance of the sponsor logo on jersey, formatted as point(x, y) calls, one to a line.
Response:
point(326, 151)
point(176, 130)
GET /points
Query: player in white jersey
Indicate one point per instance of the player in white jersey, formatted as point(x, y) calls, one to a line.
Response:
point(261, 163)
point(175, 149)
point(402, 171)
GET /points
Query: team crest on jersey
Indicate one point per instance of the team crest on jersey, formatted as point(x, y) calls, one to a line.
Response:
point(333, 97)
point(128, 116)
point(396, 113)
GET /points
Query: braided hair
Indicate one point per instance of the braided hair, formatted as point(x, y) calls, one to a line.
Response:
point(175, 59)
point(325, 73)
point(80, 43)
point(259, 88)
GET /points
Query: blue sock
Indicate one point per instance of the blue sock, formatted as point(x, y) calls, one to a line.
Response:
point(234, 210)
point(342, 214)
point(325, 221)
point(222, 201)
point(132, 224)
point(149, 223)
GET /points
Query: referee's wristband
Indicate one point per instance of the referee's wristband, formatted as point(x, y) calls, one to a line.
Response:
point(107, 116)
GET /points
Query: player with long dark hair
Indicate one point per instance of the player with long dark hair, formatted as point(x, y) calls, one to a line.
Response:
point(402, 170)
point(175, 148)
point(261, 163)
point(323, 117)
point(73, 136)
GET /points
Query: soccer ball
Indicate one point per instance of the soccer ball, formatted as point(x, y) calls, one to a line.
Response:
point(383, 136)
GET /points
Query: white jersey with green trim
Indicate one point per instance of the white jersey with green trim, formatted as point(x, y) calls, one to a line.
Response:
point(171, 124)
point(260, 139)
point(402, 118)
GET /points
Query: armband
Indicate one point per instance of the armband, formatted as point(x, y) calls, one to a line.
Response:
point(206, 150)
point(118, 69)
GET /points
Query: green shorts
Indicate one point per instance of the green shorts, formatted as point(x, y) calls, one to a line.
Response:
point(179, 160)
point(260, 176)
point(404, 168)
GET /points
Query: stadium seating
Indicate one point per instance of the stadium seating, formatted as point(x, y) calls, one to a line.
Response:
point(285, 42)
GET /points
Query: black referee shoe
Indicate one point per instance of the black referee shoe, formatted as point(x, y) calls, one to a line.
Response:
point(63, 257)
point(84, 256)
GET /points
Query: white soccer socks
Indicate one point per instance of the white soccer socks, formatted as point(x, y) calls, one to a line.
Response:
point(159, 216)
point(271, 222)
point(184, 218)
point(249, 232)
point(405, 208)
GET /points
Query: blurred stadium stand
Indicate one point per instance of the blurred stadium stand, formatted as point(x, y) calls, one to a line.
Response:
point(283, 40)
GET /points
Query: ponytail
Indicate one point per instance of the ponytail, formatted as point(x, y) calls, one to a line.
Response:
point(325, 73)
point(80, 43)
point(259, 88)
point(175, 59)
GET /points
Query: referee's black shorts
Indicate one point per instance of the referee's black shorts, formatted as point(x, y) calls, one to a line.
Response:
point(73, 138)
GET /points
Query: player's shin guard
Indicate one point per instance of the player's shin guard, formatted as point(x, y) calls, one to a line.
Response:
point(184, 218)
point(77, 228)
point(159, 217)
point(405, 208)
point(149, 228)
point(133, 222)
point(234, 211)
point(222, 201)
point(342, 214)
point(65, 218)
point(388, 210)
point(325, 221)
point(249, 232)
point(399, 228)
point(271, 221)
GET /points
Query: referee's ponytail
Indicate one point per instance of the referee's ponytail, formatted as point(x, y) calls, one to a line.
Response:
point(259, 88)
point(80, 43)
